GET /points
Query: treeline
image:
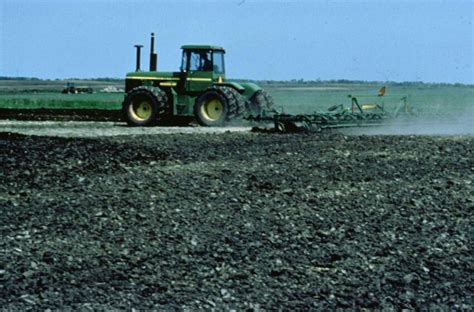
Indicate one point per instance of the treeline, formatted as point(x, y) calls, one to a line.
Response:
point(19, 78)
point(296, 82)
point(103, 79)
point(317, 82)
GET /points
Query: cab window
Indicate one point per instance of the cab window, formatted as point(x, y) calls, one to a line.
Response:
point(218, 62)
point(200, 61)
point(184, 62)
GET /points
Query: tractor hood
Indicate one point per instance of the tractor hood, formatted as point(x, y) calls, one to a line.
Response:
point(135, 79)
point(153, 75)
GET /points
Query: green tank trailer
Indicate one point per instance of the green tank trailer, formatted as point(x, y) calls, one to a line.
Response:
point(198, 91)
point(71, 88)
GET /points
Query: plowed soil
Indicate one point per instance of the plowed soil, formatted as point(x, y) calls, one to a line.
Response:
point(242, 221)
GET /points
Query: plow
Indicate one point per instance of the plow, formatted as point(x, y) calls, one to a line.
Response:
point(338, 116)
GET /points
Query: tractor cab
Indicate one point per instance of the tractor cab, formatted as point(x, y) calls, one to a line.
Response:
point(201, 66)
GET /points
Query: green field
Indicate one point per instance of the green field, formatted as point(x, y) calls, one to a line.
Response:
point(31, 94)
point(436, 99)
point(51, 100)
point(290, 97)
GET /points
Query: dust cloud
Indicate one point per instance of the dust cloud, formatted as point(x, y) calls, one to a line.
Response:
point(460, 123)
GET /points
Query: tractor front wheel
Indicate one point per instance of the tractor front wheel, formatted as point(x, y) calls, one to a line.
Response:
point(218, 105)
point(144, 105)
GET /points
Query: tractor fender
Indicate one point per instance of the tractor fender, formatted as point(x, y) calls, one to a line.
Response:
point(250, 89)
point(247, 89)
point(234, 85)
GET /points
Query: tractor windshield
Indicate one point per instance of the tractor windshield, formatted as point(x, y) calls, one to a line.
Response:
point(203, 60)
point(200, 61)
point(218, 62)
point(184, 62)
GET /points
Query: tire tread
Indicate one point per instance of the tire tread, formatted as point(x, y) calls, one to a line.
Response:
point(159, 95)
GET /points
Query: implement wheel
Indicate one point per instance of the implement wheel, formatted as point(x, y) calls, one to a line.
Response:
point(260, 101)
point(218, 105)
point(143, 106)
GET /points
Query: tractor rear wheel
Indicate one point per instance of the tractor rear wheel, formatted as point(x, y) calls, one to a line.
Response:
point(143, 106)
point(260, 101)
point(218, 105)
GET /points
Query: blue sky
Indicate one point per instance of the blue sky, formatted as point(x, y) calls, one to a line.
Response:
point(401, 40)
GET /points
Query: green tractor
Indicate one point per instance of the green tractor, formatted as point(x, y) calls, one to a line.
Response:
point(199, 91)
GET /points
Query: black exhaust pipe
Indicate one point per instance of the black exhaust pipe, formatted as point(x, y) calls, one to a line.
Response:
point(138, 47)
point(153, 55)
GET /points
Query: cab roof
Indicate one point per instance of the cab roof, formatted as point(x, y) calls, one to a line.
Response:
point(201, 47)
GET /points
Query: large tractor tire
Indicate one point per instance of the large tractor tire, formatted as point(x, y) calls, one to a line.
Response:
point(259, 102)
point(143, 106)
point(218, 105)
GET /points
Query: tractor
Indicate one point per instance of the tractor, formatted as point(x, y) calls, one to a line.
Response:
point(198, 92)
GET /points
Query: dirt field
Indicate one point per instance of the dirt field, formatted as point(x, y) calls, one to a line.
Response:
point(87, 129)
point(239, 221)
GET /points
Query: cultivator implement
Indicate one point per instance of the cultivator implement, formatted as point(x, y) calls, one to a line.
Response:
point(337, 116)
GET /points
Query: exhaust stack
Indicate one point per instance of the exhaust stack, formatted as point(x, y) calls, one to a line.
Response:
point(153, 55)
point(138, 47)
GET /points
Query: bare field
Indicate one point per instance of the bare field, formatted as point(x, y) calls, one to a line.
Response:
point(100, 216)
point(236, 221)
point(84, 129)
